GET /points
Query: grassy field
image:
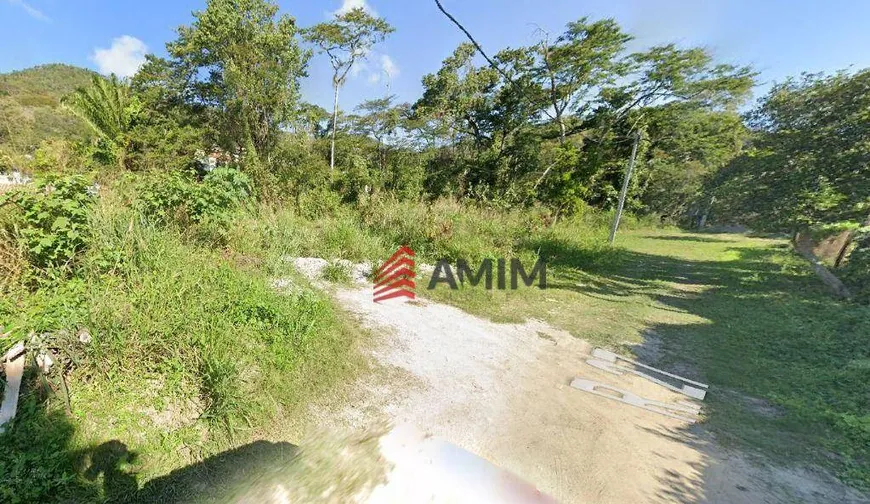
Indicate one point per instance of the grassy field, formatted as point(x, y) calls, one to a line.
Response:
point(194, 352)
point(788, 365)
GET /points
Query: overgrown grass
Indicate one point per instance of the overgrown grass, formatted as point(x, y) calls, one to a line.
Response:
point(283, 232)
point(336, 272)
point(191, 351)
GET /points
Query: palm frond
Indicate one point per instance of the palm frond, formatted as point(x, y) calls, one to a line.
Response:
point(101, 105)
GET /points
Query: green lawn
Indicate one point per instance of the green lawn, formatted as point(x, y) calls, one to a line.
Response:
point(788, 365)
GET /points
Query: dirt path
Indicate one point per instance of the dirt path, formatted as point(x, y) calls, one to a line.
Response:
point(501, 391)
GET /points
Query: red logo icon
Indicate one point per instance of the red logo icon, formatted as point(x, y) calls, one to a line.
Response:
point(395, 278)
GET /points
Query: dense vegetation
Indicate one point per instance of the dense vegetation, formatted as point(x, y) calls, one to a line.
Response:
point(806, 166)
point(164, 206)
point(31, 118)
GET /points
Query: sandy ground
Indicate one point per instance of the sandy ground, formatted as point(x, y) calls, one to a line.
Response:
point(501, 391)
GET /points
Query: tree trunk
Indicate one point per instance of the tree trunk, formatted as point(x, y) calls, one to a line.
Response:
point(703, 220)
point(828, 278)
point(561, 127)
point(842, 255)
point(554, 97)
point(334, 126)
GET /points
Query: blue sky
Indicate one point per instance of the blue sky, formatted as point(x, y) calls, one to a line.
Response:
point(778, 37)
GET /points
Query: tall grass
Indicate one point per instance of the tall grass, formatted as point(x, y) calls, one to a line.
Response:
point(190, 349)
point(446, 229)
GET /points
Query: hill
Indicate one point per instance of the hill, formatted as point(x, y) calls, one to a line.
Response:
point(30, 110)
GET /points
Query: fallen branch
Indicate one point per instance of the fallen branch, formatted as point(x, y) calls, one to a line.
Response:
point(828, 278)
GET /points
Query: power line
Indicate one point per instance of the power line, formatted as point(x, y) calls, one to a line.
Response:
point(476, 45)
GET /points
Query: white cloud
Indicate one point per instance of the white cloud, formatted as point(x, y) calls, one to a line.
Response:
point(123, 59)
point(386, 69)
point(389, 67)
point(359, 66)
point(349, 5)
point(32, 11)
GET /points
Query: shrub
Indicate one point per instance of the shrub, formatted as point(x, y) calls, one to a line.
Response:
point(178, 198)
point(6, 162)
point(172, 323)
point(53, 222)
point(297, 168)
point(319, 203)
point(58, 156)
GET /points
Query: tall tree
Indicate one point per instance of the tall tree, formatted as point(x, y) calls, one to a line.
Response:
point(661, 76)
point(667, 73)
point(460, 97)
point(810, 159)
point(379, 120)
point(576, 64)
point(688, 144)
point(346, 39)
point(170, 129)
point(107, 108)
point(242, 61)
point(458, 102)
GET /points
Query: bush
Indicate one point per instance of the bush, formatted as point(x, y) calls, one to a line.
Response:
point(59, 156)
point(319, 203)
point(296, 168)
point(180, 199)
point(53, 222)
point(175, 327)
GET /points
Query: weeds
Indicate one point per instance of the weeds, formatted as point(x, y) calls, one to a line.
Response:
point(174, 322)
point(13, 262)
point(336, 272)
point(205, 208)
point(52, 224)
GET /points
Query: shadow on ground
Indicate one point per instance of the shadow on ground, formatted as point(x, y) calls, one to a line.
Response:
point(216, 478)
point(39, 463)
point(785, 361)
point(782, 356)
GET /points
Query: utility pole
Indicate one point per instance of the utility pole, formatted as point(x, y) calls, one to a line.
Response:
point(624, 190)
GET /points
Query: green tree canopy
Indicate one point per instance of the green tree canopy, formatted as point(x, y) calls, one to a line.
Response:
point(345, 40)
point(243, 62)
point(810, 159)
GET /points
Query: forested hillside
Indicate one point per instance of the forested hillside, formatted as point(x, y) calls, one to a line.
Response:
point(30, 106)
